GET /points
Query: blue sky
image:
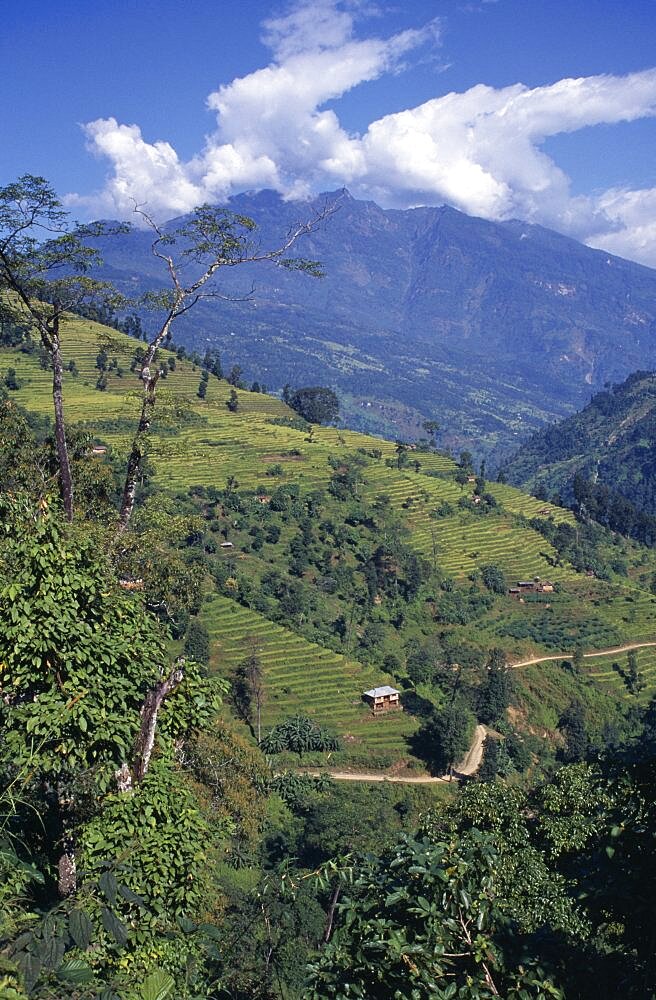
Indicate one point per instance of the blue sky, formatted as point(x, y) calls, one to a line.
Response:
point(538, 109)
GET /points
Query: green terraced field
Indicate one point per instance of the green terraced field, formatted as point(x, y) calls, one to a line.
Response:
point(303, 677)
point(462, 542)
point(601, 669)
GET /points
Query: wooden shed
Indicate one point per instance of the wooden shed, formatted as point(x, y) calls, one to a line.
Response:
point(382, 699)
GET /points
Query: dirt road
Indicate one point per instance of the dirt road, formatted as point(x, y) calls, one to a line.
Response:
point(468, 766)
point(586, 656)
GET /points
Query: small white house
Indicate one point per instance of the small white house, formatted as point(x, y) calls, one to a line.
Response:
point(382, 699)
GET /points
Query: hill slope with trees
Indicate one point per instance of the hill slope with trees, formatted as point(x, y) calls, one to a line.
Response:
point(601, 458)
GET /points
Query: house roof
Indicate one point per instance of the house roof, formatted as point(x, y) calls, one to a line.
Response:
point(380, 692)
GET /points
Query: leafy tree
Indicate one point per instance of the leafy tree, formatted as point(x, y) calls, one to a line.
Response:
point(490, 764)
point(317, 404)
point(197, 642)
point(211, 238)
point(249, 689)
point(493, 578)
point(572, 723)
point(424, 921)
point(90, 713)
point(633, 679)
point(300, 735)
point(432, 428)
point(444, 737)
point(494, 695)
point(233, 401)
point(11, 379)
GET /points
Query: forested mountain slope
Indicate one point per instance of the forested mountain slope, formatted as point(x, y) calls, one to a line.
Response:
point(492, 328)
point(611, 443)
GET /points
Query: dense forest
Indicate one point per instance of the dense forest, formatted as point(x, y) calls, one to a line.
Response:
point(600, 460)
point(198, 583)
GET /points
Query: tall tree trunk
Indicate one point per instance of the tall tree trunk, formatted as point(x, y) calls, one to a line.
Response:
point(330, 918)
point(65, 477)
point(151, 706)
point(137, 451)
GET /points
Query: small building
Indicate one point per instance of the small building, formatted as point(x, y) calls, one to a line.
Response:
point(99, 449)
point(382, 699)
point(131, 583)
point(227, 545)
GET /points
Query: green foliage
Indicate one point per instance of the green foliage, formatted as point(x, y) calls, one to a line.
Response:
point(300, 735)
point(77, 656)
point(424, 921)
point(317, 404)
point(445, 736)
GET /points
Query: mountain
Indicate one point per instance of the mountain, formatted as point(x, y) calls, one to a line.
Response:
point(494, 329)
point(610, 443)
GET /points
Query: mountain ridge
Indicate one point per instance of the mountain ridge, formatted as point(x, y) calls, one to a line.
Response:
point(493, 329)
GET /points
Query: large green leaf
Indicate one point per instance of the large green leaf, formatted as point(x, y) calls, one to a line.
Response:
point(80, 928)
point(158, 986)
point(113, 926)
point(75, 971)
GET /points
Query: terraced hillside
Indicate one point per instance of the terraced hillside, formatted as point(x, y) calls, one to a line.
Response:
point(263, 446)
point(305, 678)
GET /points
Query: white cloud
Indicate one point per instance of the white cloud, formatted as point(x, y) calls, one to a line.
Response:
point(479, 150)
point(632, 230)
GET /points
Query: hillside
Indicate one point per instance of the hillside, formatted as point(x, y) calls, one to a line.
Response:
point(346, 563)
point(610, 442)
point(494, 329)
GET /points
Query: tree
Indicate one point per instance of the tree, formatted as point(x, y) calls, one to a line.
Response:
point(425, 920)
point(444, 737)
point(316, 404)
point(432, 428)
point(572, 723)
point(210, 239)
point(249, 689)
point(197, 642)
point(11, 380)
point(490, 765)
point(44, 262)
point(494, 695)
point(234, 376)
point(493, 578)
point(300, 735)
point(233, 401)
point(633, 680)
point(84, 676)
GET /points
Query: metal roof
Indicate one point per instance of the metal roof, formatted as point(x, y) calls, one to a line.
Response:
point(381, 691)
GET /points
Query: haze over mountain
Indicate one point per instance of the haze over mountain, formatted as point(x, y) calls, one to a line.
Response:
point(492, 328)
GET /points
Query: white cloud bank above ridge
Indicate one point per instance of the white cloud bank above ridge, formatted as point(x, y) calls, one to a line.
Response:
point(478, 150)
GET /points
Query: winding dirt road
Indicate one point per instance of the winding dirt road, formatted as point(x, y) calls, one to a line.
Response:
point(472, 759)
point(468, 766)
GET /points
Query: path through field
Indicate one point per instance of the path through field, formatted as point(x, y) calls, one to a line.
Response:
point(586, 656)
